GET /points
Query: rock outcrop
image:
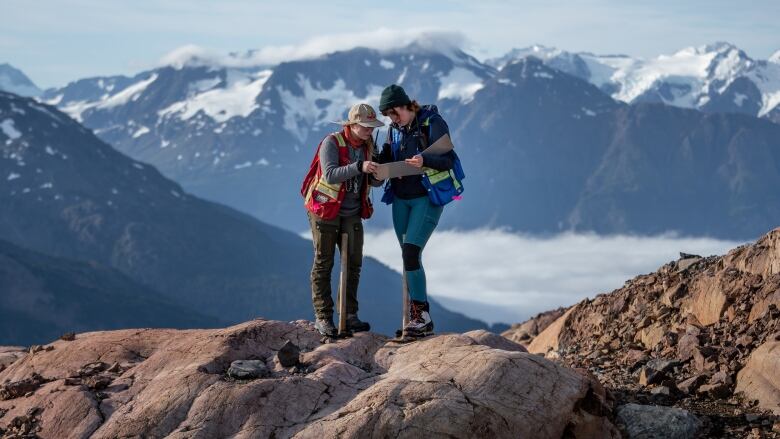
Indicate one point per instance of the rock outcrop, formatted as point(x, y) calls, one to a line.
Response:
point(9, 354)
point(760, 378)
point(175, 383)
point(524, 333)
point(700, 333)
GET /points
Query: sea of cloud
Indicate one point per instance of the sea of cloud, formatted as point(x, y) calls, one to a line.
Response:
point(500, 276)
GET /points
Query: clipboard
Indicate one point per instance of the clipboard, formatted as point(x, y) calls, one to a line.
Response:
point(401, 169)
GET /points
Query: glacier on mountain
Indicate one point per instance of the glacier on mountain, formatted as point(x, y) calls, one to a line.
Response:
point(689, 78)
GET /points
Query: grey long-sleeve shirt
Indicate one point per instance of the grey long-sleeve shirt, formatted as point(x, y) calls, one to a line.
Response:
point(350, 174)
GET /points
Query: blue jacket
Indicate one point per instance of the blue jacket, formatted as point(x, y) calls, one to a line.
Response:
point(406, 142)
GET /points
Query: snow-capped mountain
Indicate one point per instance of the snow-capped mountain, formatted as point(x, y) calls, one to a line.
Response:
point(15, 81)
point(233, 134)
point(713, 78)
point(544, 149)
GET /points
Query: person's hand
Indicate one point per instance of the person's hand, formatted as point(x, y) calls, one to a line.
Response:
point(416, 161)
point(369, 167)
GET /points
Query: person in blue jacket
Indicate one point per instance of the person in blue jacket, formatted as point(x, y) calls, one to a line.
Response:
point(415, 217)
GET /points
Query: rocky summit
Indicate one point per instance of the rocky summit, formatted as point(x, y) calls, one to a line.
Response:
point(276, 379)
point(695, 344)
point(689, 351)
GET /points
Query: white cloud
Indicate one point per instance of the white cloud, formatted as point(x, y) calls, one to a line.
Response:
point(380, 39)
point(514, 276)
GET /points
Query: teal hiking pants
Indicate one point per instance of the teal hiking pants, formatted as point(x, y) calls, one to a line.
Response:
point(414, 221)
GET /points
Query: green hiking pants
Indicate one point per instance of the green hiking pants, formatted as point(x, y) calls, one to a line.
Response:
point(326, 237)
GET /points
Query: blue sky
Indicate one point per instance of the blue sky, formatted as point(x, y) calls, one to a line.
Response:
point(58, 41)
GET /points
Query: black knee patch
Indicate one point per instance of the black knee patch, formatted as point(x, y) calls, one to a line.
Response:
point(411, 257)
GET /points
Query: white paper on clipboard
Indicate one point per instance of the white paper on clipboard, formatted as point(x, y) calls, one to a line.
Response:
point(401, 169)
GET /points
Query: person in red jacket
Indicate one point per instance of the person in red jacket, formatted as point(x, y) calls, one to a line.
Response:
point(336, 194)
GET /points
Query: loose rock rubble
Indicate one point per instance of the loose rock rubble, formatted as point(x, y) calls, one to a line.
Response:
point(700, 334)
point(11, 390)
point(24, 426)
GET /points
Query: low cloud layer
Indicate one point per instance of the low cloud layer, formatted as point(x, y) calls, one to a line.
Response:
point(499, 276)
point(379, 39)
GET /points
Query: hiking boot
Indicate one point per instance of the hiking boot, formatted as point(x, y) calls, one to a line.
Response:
point(354, 324)
point(325, 327)
point(420, 323)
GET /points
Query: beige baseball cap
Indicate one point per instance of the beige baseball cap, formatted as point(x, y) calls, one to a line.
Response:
point(364, 115)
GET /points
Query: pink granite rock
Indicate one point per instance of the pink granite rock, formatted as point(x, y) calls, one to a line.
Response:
point(174, 383)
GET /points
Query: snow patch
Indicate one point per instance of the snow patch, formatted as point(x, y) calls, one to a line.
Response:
point(75, 109)
point(300, 116)
point(402, 76)
point(506, 81)
point(50, 150)
point(544, 75)
point(768, 82)
point(263, 162)
point(679, 68)
point(588, 112)
point(9, 129)
point(460, 84)
point(141, 131)
point(13, 176)
point(237, 98)
point(55, 100)
point(243, 165)
point(130, 93)
point(739, 99)
point(387, 64)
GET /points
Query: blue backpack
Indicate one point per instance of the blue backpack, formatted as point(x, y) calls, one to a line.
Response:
point(442, 186)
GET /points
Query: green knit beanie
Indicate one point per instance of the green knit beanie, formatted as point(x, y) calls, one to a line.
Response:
point(393, 96)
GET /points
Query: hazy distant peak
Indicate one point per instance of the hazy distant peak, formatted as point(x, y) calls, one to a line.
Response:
point(15, 81)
